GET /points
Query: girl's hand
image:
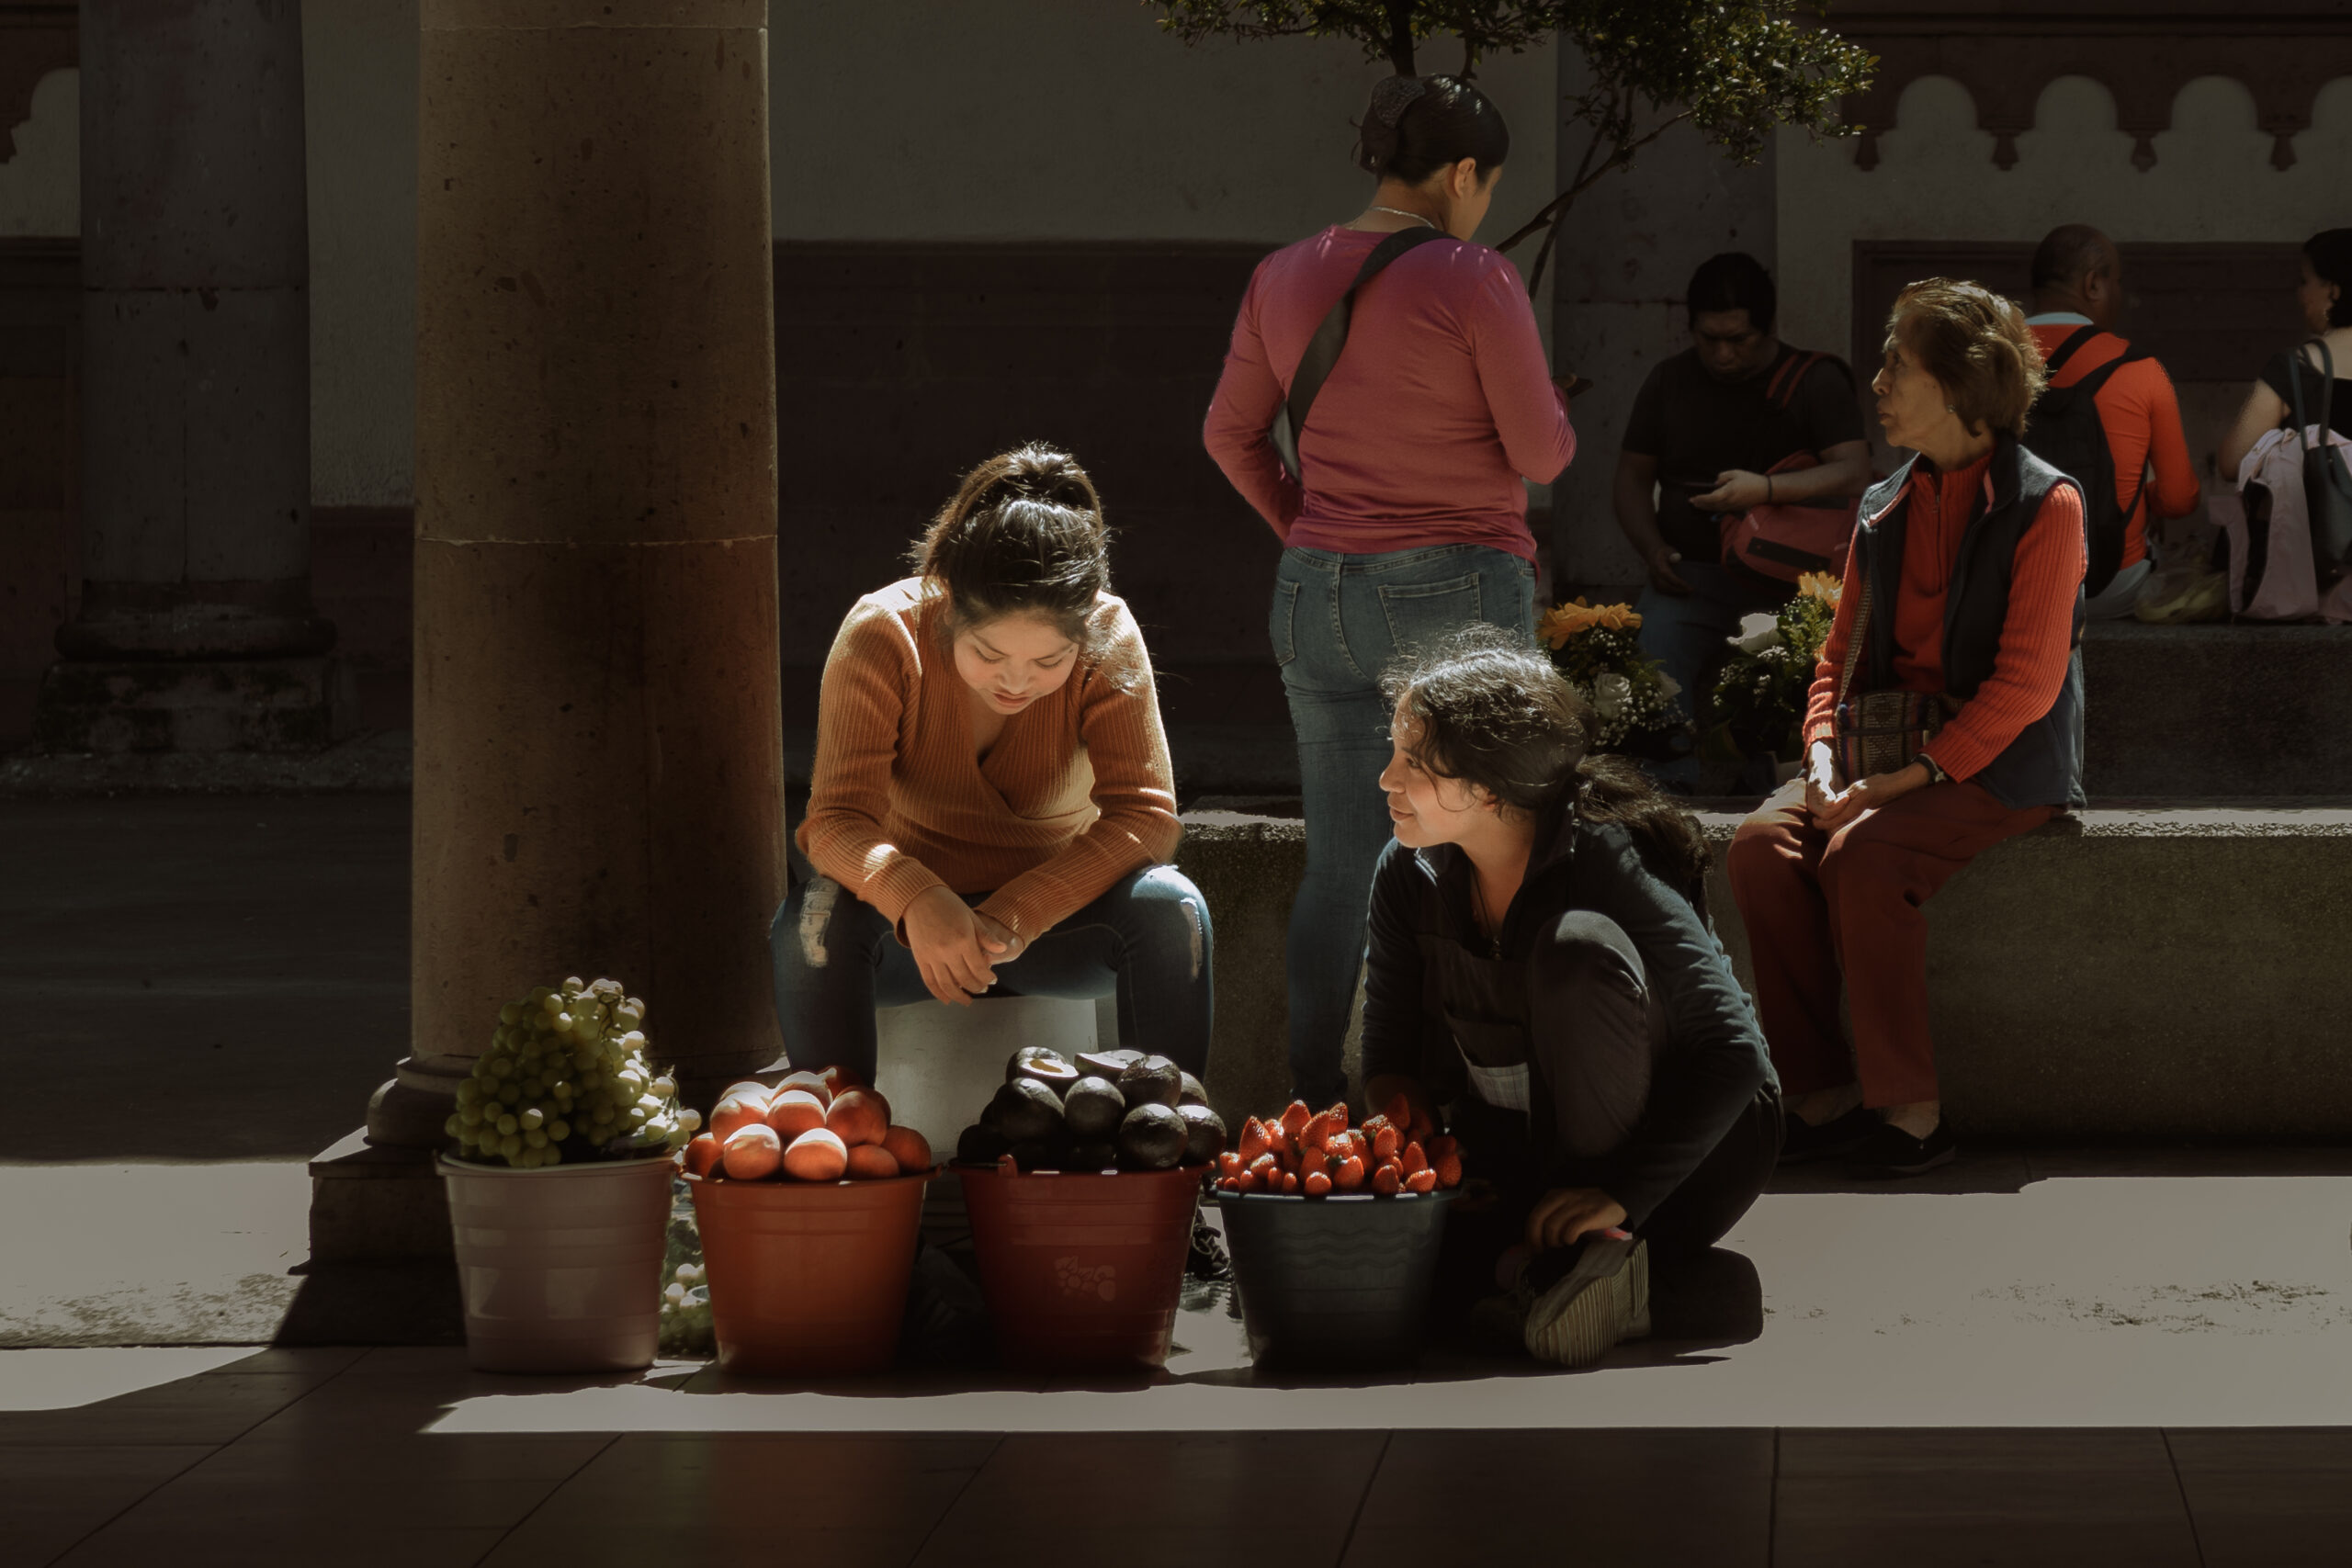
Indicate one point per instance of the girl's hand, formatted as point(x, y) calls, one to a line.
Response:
point(953, 949)
point(1564, 1213)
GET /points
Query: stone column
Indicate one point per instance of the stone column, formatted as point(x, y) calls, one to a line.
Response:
point(599, 782)
point(195, 389)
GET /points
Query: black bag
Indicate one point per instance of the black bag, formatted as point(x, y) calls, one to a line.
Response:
point(1323, 348)
point(2065, 433)
point(2327, 488)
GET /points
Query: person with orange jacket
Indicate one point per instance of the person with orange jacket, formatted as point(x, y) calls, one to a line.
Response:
point(2078, 283)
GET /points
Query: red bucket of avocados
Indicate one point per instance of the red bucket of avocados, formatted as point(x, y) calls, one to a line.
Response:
point(1082, 1180)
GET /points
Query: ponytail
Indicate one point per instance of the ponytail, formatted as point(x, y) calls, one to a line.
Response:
point(1022, 535)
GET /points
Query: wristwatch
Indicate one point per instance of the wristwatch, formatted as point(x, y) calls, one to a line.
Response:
point(1936, 773)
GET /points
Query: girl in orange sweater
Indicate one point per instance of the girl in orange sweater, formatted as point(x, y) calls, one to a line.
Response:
point(992, 805)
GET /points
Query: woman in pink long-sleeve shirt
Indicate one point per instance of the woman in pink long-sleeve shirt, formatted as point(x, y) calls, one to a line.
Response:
point(1408, 518)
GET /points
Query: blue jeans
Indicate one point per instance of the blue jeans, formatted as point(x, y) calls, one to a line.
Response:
point(1685, 634)
point(1338, 621)
point(1148, 938)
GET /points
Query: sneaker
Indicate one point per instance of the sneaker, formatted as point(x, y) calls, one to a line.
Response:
point(1890, 1152)
point(1801, 1141)
point(1602, 1299)
point(1206, 1259)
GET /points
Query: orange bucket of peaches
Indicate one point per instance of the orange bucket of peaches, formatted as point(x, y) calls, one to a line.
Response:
point(809, 1201)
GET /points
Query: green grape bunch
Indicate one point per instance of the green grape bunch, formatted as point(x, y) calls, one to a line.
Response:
point(567, 1077)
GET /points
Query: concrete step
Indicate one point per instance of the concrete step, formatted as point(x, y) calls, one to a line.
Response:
point(2217, 710)
point(2154, 969)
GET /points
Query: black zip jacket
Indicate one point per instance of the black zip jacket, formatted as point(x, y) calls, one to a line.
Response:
point(1714, 1062)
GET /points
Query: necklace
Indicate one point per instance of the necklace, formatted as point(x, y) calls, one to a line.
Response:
point(1400, 212)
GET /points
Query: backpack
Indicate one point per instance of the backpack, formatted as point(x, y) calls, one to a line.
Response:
point(1785, 539)
point(2065, 433)
point(2276, 573)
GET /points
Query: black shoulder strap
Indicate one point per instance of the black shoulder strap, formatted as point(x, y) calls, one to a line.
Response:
point(2065, 350)
point(1323, 348)
point(1780, 391)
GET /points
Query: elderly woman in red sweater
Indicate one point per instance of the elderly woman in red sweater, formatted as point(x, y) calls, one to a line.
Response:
point(1946, 715)
point(1407, 519)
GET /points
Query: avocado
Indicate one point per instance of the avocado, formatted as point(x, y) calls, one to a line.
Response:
point(1155, 1080)
point(1098, 1156)
point(1033, 1155)
point(981, 1144)
point(1025, 1111)
point(1191, 1093)
point(1093, 1108)
point(1203, 1134)
point(1152, 1137)
point(1029, 1055)
point(1107, 1064)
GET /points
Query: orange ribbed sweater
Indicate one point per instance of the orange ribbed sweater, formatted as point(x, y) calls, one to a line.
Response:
point(1076, 793)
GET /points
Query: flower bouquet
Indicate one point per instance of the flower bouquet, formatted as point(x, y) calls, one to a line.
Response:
point(1759, 698)
point(1594, 647)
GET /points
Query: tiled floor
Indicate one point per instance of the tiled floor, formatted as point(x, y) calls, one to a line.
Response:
point(334, 1457)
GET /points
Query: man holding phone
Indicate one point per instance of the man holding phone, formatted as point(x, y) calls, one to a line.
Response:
point(1702, 435)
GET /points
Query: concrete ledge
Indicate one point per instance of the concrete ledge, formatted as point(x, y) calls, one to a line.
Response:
point(375, 1202)
point(2167, 970)
point(2216, 710)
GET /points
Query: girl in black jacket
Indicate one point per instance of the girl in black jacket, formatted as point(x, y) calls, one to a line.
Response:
point(1540, 958)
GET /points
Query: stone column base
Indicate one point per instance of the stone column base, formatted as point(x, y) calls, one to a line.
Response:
point(372, 1201)
point(123, 707)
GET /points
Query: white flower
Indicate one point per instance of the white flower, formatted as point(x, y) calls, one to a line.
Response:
point(1611, 693)
point(1757, 632)
point(1668, 688)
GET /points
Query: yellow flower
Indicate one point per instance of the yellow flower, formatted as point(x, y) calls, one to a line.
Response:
point(1820, 585)
point(1564, 621)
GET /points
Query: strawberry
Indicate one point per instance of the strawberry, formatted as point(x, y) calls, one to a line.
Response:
point(1444, 1143)
point(1371, 1125)
point(1338, 1115)
point(1295, 1116)
point(1387, 1181)
point(1290, 1181)
point(1415, 1160)
point(1228, 1163)
point(1399, 1110)
point(1245, 1182)
point(1266, 1165)
point(1314, 1184)
point(1279, 1141)
point(1422, 1181)
point(1253, 1140)
point(1449, 1169)
point(1315, 1161)
point(1360, 1145)
point(1319, 1131)
point(1225, 1184)
point(1351, 1174)
point(1386, 1143)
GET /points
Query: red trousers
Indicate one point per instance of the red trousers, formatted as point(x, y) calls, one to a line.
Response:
point(1818, 903)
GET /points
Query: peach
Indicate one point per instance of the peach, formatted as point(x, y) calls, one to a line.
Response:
point(752, 1152)
point(746, 1086)
point(702, 1154)
point(868, 1161)
point(837, 1079)
point(909, 1148)
point(794, 1111)
point(812, 1083)
point(859, 1116)
point(815, 1155)
point(735, 1111)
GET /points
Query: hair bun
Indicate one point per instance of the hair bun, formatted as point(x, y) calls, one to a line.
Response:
point(1037, 473)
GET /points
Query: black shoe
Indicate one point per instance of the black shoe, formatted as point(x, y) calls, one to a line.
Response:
point(1801, 1141)
point(1206, 1259)
point(1891, 1152)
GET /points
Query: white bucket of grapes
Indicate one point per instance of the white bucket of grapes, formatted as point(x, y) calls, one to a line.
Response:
point(560, 1267)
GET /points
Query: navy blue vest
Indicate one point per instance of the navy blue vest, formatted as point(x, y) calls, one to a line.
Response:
point(2044, 766)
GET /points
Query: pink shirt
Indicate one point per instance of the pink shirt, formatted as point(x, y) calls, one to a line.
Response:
point(1439, 405)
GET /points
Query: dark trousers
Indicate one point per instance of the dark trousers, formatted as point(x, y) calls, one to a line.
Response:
point(1596, 1031)
point(1148, 939)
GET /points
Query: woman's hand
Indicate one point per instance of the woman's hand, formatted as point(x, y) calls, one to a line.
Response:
point(955, 946)
point(1564, 1213)
point(1378, 1093)
point(1868, 795)
point(1736, 489)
